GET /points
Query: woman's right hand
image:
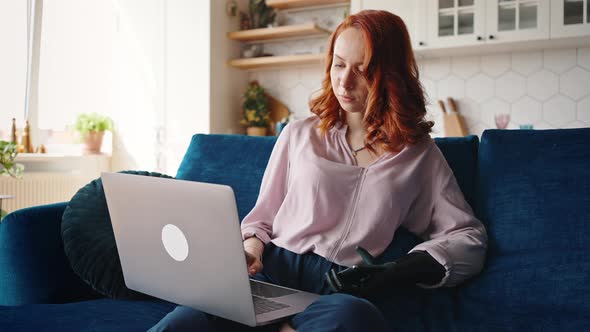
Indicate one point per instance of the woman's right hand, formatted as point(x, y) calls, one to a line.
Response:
point(253, 248)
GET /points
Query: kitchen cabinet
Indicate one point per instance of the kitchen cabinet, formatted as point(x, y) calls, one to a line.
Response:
point(453, 27)
point(473, 22)
point(570, 18)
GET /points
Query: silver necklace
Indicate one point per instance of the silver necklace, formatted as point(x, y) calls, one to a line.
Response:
point(354, 152)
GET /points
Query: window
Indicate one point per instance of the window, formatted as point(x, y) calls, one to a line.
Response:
point(75, 63)
point(13, 63)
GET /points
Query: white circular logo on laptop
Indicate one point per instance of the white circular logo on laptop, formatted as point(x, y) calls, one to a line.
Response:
point(175, 242)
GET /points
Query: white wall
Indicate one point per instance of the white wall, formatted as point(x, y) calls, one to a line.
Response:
point(227, 83)
point(163, 88)
point(139, 77)
point(187, 96)
point(13, 63)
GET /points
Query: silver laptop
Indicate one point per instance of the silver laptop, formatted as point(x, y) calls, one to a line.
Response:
point(180, 241)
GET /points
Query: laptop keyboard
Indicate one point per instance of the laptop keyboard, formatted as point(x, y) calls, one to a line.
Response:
point(261, 293)
point(262, 305)
point(266, 290)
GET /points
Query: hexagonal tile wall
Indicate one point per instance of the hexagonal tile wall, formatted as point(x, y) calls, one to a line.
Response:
point(584, 57)
point(526, 111)
point(559, 111)
point(575, 83)
point(526, 63)
point(583, 110)
point(510, 87)
point(559, 61)
point(548, 89)
point(542, 85)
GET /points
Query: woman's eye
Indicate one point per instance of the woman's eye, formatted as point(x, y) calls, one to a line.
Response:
point(337, 65)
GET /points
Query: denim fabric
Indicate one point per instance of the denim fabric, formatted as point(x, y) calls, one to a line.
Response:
point(332, 312)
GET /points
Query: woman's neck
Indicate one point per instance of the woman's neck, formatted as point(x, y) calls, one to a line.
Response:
point(354, 121)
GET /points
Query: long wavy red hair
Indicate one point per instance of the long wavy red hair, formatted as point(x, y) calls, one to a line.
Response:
point(395, 110)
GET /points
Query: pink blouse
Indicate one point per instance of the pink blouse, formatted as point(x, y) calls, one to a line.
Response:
point(314, 197)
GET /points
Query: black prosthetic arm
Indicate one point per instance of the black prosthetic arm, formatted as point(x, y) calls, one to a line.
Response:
point(368, 278)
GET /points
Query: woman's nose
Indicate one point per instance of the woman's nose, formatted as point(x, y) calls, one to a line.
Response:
point(347, 79)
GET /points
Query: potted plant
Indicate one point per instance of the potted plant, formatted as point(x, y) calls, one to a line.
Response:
point(91, 128)
point(8, 167)
point(255, 109)
point(261, 15)
point(8, 152)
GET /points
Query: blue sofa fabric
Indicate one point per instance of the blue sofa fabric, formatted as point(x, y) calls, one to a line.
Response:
point(234, 160)
point(534, 198)
point(530, 189)
point(95, 315)
point(33, 265)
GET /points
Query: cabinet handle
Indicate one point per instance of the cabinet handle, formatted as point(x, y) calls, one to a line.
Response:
point(479, 38)
point(421, 43)
point(491, 36)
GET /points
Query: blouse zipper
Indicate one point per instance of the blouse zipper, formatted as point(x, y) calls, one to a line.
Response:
point(348, 226)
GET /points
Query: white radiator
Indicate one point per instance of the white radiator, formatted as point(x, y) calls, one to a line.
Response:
point(50, 179)
point(40, 188)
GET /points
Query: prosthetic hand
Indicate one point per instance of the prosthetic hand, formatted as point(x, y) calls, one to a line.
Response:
point(368, 278)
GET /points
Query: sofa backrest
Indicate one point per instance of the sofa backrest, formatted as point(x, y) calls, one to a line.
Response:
point(534, 198)
point(239, 161)
point(234, 160)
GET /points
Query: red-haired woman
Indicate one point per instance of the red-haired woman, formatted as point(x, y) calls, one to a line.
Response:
point(363, 166)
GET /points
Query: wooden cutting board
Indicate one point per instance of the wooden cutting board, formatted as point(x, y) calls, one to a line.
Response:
point(278, 111)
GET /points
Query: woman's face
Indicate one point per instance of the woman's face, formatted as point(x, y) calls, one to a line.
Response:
point(348, 83)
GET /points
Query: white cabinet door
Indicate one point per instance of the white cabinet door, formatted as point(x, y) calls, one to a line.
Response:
point(406, 9)
point(515, 20)
point(570, 18)
point(455, 22)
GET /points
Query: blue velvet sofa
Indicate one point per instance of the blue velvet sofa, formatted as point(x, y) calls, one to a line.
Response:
point(531, 188)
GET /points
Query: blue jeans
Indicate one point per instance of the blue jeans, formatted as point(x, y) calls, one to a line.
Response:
point(331, 312)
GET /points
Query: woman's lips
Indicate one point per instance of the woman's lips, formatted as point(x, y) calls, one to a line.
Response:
point(347, 98)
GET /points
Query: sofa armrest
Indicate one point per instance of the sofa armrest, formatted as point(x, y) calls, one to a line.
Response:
point(33, 265)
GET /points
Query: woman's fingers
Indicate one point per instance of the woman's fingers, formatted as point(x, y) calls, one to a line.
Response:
point(254, 264)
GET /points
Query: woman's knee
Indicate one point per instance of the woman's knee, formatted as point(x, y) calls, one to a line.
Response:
point(182, 319)
point(341, 312)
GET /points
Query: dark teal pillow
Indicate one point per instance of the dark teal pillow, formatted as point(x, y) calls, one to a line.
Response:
point(89, 242)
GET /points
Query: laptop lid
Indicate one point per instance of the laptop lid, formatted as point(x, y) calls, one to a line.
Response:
point(180, 241)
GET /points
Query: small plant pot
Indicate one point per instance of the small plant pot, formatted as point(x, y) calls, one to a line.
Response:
point(93, 142)
point(256, 131)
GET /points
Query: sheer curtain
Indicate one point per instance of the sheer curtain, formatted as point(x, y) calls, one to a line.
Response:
point(76, 61)
point(13, 64)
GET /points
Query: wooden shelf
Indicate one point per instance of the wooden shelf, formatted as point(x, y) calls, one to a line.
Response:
point(289, 4)
point(300, 30)
point(277, 61)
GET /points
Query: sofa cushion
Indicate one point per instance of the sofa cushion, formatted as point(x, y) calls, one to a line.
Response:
point(534, 197)
point(96, 315)
point(533, 189)
point(461, 155)
point(89, 242)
